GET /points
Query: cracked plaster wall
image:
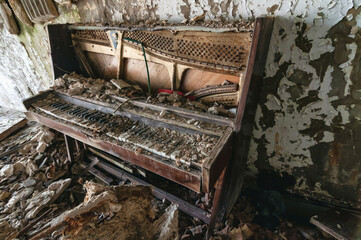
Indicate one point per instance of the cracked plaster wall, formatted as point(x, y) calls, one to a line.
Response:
point(307, 134)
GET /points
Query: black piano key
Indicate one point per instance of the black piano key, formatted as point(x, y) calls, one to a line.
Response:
point(78, 114)
point(90, 115)
point(56, 104)
point(64, 107)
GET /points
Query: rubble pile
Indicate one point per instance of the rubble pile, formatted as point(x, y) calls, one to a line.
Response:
point(116, 212)
point(108, 91)
point(33, 171)
point(42, 196)
point(45, 196)
point(97, 89)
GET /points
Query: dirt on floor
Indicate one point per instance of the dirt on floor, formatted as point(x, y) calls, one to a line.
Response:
point(45, 196)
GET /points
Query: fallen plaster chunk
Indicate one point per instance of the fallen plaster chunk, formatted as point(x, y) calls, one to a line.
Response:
point(29, 183)
point(4, 195)
point(7, 171)
point(166, 227)
point(41, 147)
point(17, 196)
point(46, 197)
point(92, 203)
point(119, 83)
point(30, 167)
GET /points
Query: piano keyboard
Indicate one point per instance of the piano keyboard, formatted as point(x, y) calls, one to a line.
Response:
point(185, 149)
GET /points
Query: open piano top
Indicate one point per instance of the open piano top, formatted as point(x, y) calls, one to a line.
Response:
point(186, 141)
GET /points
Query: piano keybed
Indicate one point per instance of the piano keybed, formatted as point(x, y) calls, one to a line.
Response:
point(186, 149)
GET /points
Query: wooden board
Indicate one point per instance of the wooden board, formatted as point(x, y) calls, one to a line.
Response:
point(20, 124)
point(103, 65)
point(340, 224)
point(62, 53)
point(194, 79)
point(135, 71)
point(246, 113)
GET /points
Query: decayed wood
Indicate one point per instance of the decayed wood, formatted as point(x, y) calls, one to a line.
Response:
point(32, 223)
point(27, 102)
point(132, 53)
point(83, 60)
point(15, 149)
point(96, 48)
point(188, 178)
point(339, 223)
point(217, 161)
point(111, 159)
point(40, 11)
point(70, 144)
point(135, 72)
point(20, 13)
point(103, 65)
point(9, 18)
point(118, 51)
point(246, 112)
point(62, 52)
point(158, 193)
point(105, 179)
point(217, 204)
point(194, 79)
point(181, 112)
point(13, 129)
point(48, 231)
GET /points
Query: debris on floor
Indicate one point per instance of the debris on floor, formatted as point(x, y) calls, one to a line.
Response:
point(10, 121)
point(43, 195)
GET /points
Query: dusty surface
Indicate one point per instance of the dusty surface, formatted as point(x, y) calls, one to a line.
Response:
point(38, 197)
point(306, 134)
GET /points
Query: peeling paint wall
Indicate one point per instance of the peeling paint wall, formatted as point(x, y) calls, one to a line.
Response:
point(307, 135)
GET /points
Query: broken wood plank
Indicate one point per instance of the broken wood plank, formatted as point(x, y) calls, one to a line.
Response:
point(32, 223)
point(96, 48)
point(101, 176)
point(158, 193)
point(48, 231)
point(83, 60)
point(339, 223)
point(13, 129)
point(69, 142)
point(13, 150)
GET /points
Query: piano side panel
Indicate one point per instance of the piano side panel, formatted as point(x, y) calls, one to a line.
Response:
point(212, 169)
point(246, 114)
point(62, 53)
point(188, 179)
point(30, 100)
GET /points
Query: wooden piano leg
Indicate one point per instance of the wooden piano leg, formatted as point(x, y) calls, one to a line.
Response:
point(217, 210)
point(70, 144)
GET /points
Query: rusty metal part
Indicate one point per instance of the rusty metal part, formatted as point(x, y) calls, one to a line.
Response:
point(226, 99)
point(211, 90)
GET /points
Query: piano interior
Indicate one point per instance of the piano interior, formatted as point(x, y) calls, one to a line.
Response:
point(168, 99)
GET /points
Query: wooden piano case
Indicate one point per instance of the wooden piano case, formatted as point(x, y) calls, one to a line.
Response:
point(184, 58)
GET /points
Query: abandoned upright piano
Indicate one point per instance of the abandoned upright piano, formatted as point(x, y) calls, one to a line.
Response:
point(178, 101)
